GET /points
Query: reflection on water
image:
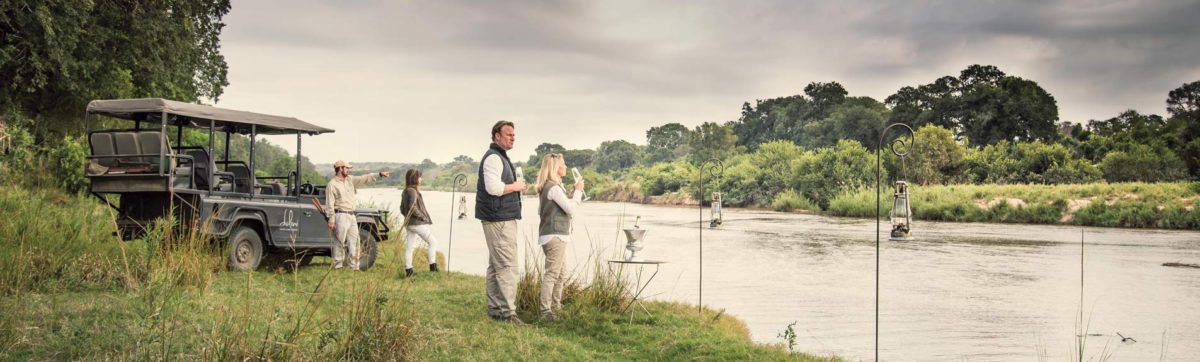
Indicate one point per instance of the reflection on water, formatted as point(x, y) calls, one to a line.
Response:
point(959, 291)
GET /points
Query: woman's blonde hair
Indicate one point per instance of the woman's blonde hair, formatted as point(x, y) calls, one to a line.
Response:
point(549, 170)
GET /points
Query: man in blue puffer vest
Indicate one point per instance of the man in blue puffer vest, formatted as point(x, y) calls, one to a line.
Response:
point(498, 207)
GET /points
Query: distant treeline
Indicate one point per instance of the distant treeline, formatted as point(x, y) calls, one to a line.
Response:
point(980, 127)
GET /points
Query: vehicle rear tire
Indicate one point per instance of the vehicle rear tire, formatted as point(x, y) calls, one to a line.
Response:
point(369, 248)
point(244, 249)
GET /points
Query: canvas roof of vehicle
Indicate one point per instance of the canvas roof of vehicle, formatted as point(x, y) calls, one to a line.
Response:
point(198, 115)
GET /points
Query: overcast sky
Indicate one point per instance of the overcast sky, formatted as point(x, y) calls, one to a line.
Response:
point(408, 80)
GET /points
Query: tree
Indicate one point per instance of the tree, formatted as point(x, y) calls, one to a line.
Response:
point(982, 104)
point(666, 143)
point(711, 140)
point(856, 118)
point(1130, 126)
point(670, 136)
point(467, 161)
point(535, 160)
point(1012, 109)
point(56, 55)
point(579, 158)
point(938, 103)
point(426, 164)
point(616, 155)
point(977, 74)
point(772, 119)
point(1185, 101)
point(1183, 104)
point(824, 96)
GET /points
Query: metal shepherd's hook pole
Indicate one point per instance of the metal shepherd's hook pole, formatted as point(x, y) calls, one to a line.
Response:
point(716, 170)
point(904, 150)
point(460, 181)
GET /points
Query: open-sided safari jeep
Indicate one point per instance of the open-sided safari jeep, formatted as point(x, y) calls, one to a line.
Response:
point(252, 217)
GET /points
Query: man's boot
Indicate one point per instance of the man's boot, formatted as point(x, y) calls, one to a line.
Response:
point(408, 272)
point(433, 267)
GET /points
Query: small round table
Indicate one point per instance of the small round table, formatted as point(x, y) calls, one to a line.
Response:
point(640, 286)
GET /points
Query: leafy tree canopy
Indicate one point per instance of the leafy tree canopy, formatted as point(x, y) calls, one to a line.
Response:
point(56, 55)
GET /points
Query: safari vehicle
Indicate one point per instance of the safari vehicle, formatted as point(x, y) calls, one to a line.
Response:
point(252, 217)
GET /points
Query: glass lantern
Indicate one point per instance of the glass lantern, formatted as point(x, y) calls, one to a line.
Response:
point(901, 214)
point(716, 215)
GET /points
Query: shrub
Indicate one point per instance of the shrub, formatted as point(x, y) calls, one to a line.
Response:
point(667, 177)
point(936, 158)
point(791, 200)
point(827, 172)
point(1143, 163)
point(69, 155)
point(1029, 162)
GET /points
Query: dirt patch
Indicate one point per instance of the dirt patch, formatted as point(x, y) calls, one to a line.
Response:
point(988, 204)
point(1189, 203)
point(672, 198)
point(1073, 206)
point(1127, 196)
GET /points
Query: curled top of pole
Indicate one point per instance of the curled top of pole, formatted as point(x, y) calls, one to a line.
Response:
point(905, 147)
point(717, 170)
point(460, 181)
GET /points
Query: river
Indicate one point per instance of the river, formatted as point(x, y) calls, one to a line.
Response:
point(959, 291)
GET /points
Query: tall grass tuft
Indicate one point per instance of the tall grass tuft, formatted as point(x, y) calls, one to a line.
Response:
point(158, 289)
point(791, 200)
point(55, 241)
point(599, 288)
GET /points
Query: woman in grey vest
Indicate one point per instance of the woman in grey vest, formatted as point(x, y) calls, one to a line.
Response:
point(554, 230)
point(418, 221)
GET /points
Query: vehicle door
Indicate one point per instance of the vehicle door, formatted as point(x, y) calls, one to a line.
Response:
point(314, 227)
point(284, 219)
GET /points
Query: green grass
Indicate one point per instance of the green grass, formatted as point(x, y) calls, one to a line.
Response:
point(1135, 205)
point(71, 291)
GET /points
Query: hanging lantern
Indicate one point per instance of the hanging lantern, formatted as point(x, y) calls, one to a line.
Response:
point(716, 210)
point(462, 208)
point(901, 214)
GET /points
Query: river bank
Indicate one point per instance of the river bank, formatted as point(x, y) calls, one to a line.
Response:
point(71, 291)
point(1128, 205)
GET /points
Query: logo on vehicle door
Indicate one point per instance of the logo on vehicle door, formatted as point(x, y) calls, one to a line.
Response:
point(289, 222)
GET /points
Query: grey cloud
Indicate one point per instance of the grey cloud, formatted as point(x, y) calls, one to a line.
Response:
point(666, 61)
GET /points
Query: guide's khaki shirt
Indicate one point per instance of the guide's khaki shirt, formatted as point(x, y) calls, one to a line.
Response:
point(341, 195)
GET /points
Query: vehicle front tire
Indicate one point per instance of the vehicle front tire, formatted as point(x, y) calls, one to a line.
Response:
point(369, 248)
point(245, 250)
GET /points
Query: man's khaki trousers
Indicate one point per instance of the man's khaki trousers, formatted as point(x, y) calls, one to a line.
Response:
point(501, 275)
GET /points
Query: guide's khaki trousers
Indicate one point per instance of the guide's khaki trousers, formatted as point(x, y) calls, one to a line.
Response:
point(345, 232)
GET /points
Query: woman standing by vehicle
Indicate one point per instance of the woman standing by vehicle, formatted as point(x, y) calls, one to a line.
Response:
point(417, 220)
point(554, 230)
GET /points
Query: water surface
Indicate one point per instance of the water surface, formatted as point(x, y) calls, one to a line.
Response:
point(959, 291)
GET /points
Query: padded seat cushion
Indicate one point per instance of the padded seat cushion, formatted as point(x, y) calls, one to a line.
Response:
point(127, 144)
point(102, 145)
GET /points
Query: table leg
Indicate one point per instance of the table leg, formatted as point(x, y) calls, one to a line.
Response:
point(641, 287)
